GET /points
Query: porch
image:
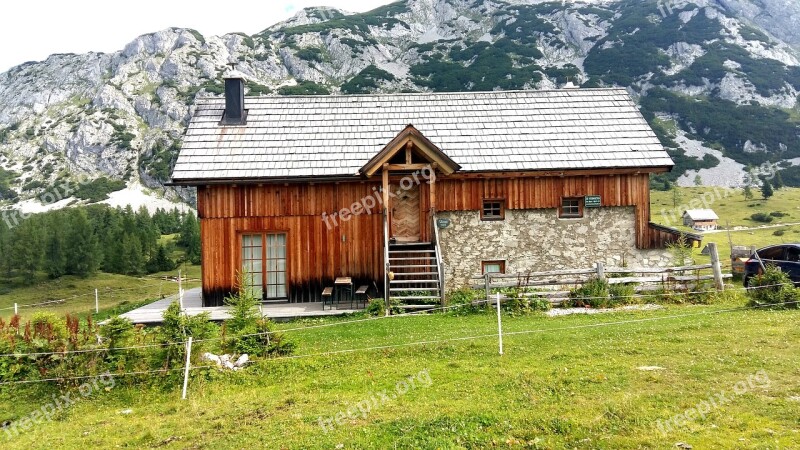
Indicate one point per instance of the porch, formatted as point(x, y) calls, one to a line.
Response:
point(193, 305)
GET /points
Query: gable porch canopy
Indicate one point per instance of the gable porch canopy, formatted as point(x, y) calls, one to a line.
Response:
point(297, 138)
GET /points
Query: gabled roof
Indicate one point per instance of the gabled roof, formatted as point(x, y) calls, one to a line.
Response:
point(300, 137)
point(410, 136)
point(701, 214)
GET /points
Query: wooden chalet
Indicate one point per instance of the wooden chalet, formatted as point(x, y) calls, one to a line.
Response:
point(395, 190)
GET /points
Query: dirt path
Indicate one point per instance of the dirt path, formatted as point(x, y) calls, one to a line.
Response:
point(762, 227)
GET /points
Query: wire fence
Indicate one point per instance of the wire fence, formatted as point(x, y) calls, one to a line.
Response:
point(376, 347)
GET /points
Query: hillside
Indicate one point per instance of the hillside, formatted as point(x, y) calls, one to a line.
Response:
point(719, 81)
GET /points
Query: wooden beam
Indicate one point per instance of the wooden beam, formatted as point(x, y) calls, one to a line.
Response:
point(554, 173)
point(385, 187)
point(409, 144)
point(406, 166)
point(432, 182)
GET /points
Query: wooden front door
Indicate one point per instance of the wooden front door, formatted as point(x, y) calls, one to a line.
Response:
point(405, 214)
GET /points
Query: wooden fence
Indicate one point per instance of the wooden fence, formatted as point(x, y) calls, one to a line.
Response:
point(556, 285)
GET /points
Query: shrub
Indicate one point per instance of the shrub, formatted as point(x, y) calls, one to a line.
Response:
point(49, 326)
point(249, 332)
point(116, 331)
point(177, 327)
point(779, 232)
point(518, 303)
point(593, 293)
point(465, 298)
point(762, 217)
point(622, 293)
point(773, 288)
point(778, 214)
point(376, 307)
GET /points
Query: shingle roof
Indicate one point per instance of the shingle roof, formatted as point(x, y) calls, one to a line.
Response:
point(334, 136)
point(701, 214)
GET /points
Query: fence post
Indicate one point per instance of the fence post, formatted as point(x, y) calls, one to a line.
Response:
point(601, 271)
point(96, 302)
point(186, 372)
point(486, 284)
point(180, 290)
point(16, 311)
point(499, 325)
point(715, 266)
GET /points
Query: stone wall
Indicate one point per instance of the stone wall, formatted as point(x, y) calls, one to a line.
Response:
point(537, 240)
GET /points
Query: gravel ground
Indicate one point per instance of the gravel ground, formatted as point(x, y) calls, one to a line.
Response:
point(557, 312)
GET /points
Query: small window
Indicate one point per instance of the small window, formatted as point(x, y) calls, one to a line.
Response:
point(793, 254)
point(493, 267)
point(493, 209)
point(571, 208)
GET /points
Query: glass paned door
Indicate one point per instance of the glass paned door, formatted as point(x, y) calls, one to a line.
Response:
point(276, 266)
point(264, 262)
point(253, 264)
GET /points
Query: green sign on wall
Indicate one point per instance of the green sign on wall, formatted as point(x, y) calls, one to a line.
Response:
point(592, 201)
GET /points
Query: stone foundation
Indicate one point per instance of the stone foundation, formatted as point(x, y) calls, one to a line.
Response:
point(537, 240)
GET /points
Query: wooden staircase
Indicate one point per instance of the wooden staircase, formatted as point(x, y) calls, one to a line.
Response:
point(416, 282)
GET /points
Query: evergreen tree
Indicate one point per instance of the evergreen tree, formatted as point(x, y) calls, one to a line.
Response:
point(132, 255)
point(747, 192)
point(27, 249)
point(698, 181)
point(84, 255)
point(766, 190)
point(55, 254)
point(160, 262)
point(190, 238)
point(777, 181)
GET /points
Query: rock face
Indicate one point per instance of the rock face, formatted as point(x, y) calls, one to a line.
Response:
point(122, 115)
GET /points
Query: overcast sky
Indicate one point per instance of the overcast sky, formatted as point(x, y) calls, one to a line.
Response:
point(30, 30)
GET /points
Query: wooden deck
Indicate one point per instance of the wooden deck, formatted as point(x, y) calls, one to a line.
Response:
point(152, 314)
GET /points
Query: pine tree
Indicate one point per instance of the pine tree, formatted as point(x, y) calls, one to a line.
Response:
point(190, 238)
point(132, 254)
point(698, 181)
point(766, 190)
point(84, 254)
point(55, 254)
point(747, 192)
point(777, 181)
point(27, 249)
point(160, 262)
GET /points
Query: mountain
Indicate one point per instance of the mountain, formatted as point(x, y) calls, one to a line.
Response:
point(718, 80)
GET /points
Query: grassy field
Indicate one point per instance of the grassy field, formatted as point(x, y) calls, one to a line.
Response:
point(114, 291)
point(734, 213)
point(587, 382)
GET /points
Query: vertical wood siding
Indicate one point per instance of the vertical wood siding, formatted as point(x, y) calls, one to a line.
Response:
point(316, 254)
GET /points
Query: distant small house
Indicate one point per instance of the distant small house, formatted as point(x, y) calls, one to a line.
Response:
point(700, 219)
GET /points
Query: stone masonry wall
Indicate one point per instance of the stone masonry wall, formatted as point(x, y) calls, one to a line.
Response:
point(537, 240)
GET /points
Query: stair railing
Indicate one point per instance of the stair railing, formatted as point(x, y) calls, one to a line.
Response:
point(386, 265)
point(439, 262)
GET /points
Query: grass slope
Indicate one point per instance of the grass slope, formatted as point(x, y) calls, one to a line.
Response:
point(734, 211)
point(114, 291)
point(571, 384)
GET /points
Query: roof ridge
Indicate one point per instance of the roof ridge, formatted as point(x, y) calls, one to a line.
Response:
point(420, 94)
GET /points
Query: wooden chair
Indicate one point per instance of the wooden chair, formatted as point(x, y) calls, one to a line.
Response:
point(361, 295)
point(327, 297)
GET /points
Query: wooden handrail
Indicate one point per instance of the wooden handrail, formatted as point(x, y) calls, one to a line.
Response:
point(386, 301)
